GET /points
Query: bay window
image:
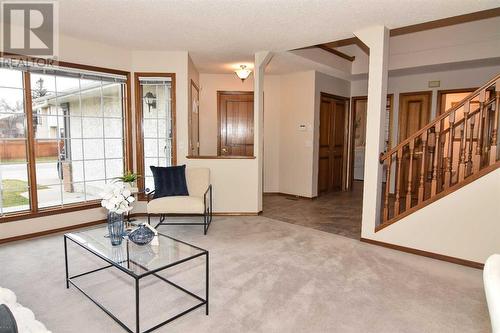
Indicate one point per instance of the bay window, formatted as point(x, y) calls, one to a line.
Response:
point(76, 142)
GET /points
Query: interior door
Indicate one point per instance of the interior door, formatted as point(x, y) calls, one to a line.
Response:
point(331, 164)
point(414, 113)
point(235, 123)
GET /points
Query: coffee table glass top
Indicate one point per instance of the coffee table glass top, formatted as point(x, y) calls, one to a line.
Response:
point(136, 259)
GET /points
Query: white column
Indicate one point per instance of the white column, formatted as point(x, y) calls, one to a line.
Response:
point(377, 39)
point(261, 60)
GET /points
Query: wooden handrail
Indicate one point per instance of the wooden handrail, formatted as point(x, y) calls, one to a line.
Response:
point(441, 117)
point(443, 155)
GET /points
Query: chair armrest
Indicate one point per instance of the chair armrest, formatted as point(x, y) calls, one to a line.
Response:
point(208, 191)
point(148, 193)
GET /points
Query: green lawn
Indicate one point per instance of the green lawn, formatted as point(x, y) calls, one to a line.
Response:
point(12, 189)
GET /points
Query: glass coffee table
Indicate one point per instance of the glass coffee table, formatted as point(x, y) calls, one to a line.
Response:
point(137, 262)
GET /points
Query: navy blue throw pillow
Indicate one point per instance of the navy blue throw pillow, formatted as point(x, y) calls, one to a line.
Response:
point(169, 181)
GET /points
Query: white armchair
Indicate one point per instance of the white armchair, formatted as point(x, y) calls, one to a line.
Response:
point(491, 277)
point(198, 202)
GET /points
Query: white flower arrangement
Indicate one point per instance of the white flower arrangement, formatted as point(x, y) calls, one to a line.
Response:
point(116, 197)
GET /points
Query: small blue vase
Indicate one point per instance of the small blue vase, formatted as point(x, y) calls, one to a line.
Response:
point(116, 228)
point(142, 235)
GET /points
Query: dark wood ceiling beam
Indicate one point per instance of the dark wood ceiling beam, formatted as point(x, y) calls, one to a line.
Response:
point(336, 52)
point(484, 14)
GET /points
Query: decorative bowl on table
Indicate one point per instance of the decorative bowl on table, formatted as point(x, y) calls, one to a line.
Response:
point(142, 235)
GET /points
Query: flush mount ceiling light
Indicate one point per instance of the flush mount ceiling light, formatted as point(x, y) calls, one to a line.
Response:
point(243, 73)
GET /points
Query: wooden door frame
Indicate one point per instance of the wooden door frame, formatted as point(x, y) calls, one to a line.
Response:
point(352, 132)
point(345, 183)
point(219, 94)
point(429, 106)
point(140, 129)
point(440, 93)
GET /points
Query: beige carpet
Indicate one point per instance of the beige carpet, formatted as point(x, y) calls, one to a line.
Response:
point(266, 276)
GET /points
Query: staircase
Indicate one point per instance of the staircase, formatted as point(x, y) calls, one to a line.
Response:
point(456, 148)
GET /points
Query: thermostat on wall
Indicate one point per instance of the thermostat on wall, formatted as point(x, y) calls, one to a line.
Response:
point(434, 84)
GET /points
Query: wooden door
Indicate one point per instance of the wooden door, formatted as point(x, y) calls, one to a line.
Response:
point(414, 113)
point(332, 125)
point(235, 110)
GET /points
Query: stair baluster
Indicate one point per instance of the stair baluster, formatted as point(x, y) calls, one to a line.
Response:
point(410, 175)
point(449, 157)
point(446, 160)
point(435, 165)
point(421, 187)
point(399, 161)
point(463, 154)
point(388, 164)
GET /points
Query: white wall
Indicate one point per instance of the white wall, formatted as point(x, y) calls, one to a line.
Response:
point(464, 224)
point(295, 146)
point(272, 129)
point(463, 42)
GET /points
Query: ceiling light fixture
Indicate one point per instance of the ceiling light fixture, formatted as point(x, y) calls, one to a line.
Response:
point(243, 73)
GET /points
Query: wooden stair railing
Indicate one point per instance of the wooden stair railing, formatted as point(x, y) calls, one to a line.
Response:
point(454, 149)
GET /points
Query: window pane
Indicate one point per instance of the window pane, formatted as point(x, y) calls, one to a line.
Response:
point(91, 102)
point(114, 148)
point(149, 183)
point(42, 85)
point(92, 189)
point(93, 128)
point(14, 188)
point(49, 127)
point(157, 123)
point(73, 193)
point(49, 195)
point(114, 168)
point(113, 128)
point(150, 128)
point(150, 147)
point(11, 78)
point(14, 185)
point(94, 170)
point(73, 158)
point(12, 126)
point(93, 149)
point(48, 172)
point(147, 163)
point(11, 100)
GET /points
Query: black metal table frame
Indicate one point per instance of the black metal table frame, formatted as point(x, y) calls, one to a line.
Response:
point(137, 283)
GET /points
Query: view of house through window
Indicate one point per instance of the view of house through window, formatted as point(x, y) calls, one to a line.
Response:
point(13, 144)
point(78, 122)
point(157, 124)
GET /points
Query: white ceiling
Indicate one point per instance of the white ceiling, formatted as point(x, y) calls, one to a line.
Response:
point(219, 32)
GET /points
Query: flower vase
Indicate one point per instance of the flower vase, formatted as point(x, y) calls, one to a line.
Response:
point(116, 228)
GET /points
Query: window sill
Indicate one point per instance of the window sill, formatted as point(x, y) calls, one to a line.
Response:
point(202, 157)
point(49, 211)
